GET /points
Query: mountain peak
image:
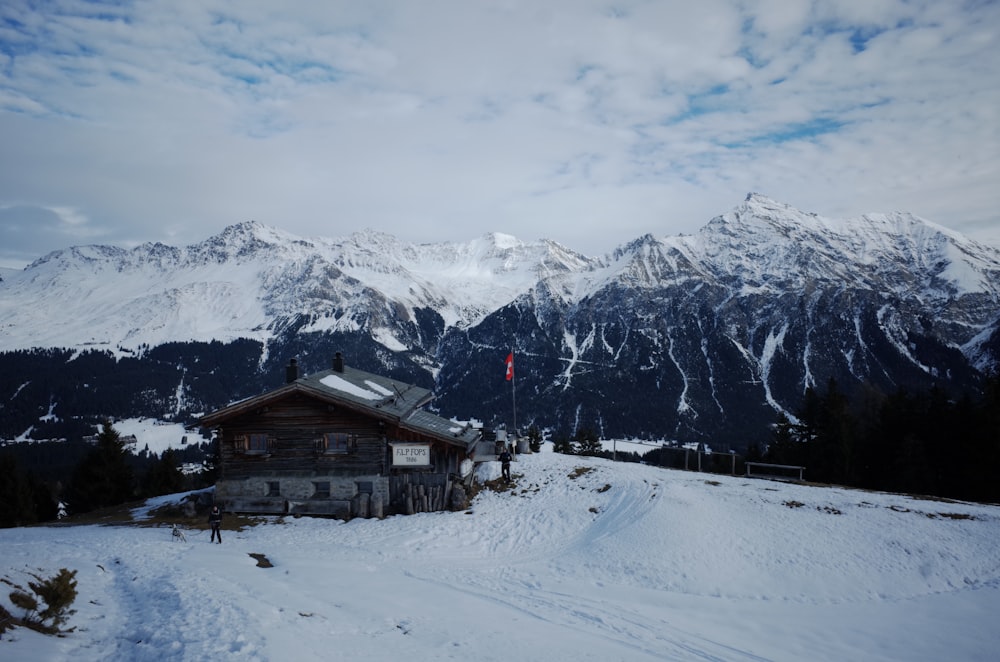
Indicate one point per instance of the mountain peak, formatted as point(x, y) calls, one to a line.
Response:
point(759, 198)
point(254, 232)
point(760, 206)
point(242, 240)
point(503, 241)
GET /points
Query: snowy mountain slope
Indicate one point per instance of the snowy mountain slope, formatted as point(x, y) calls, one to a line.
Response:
point(765, 296)
point(250, 280)
point(763, 240)
point(767, 244)
point(583, 559)
point(108, 297)
point(692, 337)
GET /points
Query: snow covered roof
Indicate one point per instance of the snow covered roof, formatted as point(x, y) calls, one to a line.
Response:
point(374, 395)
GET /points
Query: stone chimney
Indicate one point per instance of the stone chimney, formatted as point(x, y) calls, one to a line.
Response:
point(292, 371)
point(338, 362)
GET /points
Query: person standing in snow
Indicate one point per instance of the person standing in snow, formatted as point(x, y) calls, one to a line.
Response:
point(505, 458)
point(215, 521)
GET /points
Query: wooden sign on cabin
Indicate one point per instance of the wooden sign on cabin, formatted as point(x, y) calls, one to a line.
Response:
point(411, 455)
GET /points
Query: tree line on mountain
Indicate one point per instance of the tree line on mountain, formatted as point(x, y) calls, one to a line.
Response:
point(65, 394)
point(40, 482)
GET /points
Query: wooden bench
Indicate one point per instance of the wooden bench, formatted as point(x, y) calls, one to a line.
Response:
point(773, 471)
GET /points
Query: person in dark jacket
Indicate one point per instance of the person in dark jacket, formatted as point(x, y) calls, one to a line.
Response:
point(505, 458)
point(215, 521)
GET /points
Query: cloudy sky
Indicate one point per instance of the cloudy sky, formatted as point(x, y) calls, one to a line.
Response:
point(586, 122)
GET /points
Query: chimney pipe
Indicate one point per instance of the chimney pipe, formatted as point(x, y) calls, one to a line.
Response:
point(292, 371)
point(338, 362)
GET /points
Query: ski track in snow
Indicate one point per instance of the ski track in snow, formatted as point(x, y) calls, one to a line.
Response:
point(160, 618)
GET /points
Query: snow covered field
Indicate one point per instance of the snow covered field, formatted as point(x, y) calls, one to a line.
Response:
point(620, 562)
point(157, 435)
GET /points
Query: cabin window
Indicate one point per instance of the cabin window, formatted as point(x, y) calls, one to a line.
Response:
point(256, 443)
point(338, 443)
point(321, 489)
point(273, 488)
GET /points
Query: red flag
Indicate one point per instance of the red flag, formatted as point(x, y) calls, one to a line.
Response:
point(510, 366)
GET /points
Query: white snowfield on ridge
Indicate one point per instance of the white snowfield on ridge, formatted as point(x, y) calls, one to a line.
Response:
point(584, 559)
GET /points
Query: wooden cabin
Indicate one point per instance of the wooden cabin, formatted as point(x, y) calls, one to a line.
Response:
point(341, 442)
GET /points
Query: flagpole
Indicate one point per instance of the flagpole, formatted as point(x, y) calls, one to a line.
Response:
point(513, 399)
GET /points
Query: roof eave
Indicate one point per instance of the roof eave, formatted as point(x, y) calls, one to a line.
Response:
point(229, 412)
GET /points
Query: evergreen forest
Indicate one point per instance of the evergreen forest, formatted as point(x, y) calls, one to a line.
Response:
point(40, 482)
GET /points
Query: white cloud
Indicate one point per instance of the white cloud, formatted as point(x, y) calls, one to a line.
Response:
point(445, 120)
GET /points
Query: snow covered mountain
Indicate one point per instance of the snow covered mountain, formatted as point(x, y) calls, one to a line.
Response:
point(252, 280)
point(693, 337)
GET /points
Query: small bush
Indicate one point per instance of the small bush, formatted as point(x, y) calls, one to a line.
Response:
point(23, 601)
point(57, 593)
point(6, 620)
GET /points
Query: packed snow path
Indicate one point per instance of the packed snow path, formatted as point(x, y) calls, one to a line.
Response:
point(582, 559)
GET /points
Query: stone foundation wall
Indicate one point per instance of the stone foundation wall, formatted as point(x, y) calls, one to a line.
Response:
point(354, 496)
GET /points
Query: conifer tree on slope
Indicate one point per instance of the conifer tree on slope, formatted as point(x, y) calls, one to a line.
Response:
point(103, 477)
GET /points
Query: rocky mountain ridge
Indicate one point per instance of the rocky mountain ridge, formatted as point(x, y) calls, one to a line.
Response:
point(692, 337)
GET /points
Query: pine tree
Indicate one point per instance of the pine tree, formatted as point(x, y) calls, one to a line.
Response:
point(561, 444)
point(164, 476)
point(785, 447)
point(104, 477)
point(833, 448)
point(985, 445)
point(43, 499)
point(16, 500)
point(210, 465)
point(588, 443)
point(534, 439)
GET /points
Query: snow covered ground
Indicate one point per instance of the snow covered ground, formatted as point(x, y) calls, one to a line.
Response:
point(157, 435)
point(620, 562)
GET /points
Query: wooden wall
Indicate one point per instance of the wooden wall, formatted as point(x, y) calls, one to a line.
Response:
point(294, 425)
